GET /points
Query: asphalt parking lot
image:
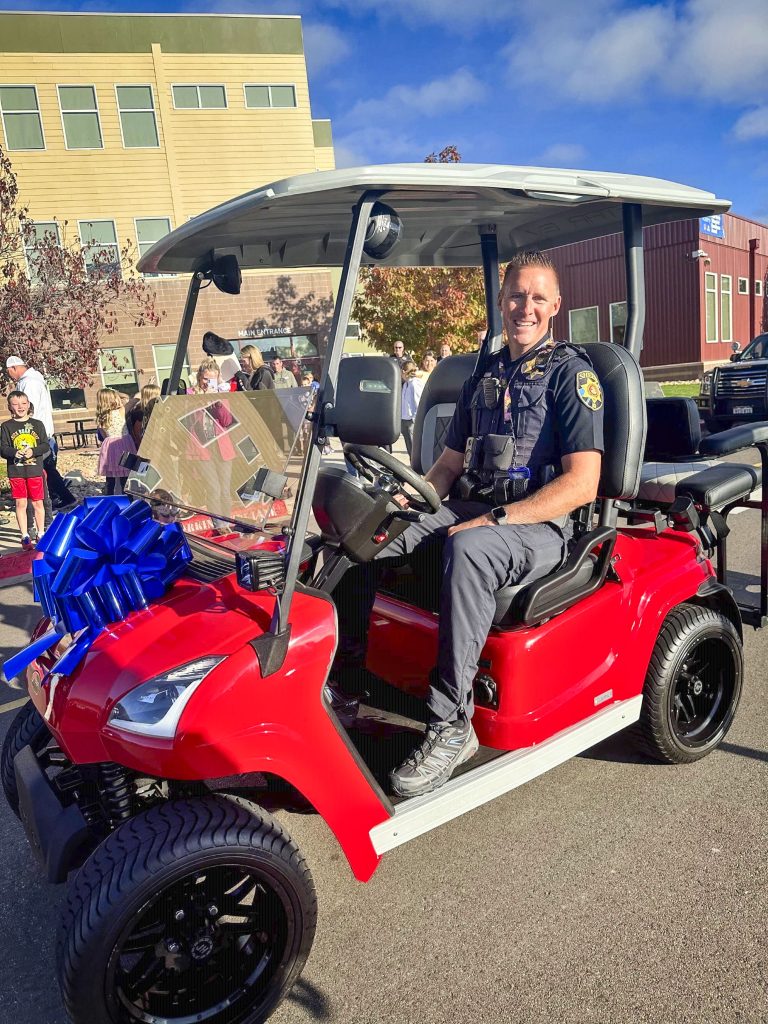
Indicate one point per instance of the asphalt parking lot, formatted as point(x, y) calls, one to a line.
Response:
point(610, 890)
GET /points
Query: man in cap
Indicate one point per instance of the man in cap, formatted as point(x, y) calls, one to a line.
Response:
point(32, 383)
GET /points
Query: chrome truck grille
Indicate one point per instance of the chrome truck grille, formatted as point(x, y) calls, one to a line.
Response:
point(741, 383)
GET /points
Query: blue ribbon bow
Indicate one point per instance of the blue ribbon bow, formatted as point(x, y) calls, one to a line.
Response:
point(101, 561)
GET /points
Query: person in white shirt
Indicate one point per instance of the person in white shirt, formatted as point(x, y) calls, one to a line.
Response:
point(32, 383)
point(413, 385)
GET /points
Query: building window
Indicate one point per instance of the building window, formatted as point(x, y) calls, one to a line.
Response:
point(43, 230)
point(137, 116)
point(199, 97)
point(583, 324)
point(148, 231)
point(118, 370)
point(743, 286)
point(67, 398)
point(758, 288)
point(618, 321)
point(270, 96)
point(710, 305)
point(22, 125)
point(163, 357)
point(80, 117)
point(100, 248)
point(726, 315)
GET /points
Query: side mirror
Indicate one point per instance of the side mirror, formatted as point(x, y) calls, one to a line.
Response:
point(735, 357)
point(368, 398)
point(227, 275)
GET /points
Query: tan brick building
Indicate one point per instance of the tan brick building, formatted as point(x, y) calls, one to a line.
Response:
point(125, 126)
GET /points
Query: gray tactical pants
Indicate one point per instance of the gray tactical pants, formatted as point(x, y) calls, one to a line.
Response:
point(474, 564)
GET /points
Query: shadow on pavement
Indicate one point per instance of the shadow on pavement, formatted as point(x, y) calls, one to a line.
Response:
point(310, 998)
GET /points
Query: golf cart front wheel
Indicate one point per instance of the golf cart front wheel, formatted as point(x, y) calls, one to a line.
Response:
point(197, 910)
point(28, 729)
point(693, 685)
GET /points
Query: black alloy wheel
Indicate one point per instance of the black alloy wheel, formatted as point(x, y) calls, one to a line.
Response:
point(693, 685)
point(199, 910)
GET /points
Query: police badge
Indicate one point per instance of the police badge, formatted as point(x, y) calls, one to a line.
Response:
point(588, 389)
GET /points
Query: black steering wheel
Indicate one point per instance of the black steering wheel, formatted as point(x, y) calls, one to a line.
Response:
point(369, 462)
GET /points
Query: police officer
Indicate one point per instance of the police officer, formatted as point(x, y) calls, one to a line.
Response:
point(525, 446)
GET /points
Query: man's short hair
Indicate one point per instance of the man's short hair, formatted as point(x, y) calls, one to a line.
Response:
point(530, 258)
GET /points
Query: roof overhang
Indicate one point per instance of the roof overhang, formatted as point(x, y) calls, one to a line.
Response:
point(304, 221)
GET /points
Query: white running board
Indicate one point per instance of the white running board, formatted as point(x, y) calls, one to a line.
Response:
point(412, 818)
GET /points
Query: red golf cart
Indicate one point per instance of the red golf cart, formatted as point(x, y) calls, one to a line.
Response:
point(158, 739)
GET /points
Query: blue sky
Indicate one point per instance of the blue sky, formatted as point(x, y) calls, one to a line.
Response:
point(677, 89)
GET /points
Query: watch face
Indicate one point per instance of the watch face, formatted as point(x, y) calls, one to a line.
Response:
point(499, 513)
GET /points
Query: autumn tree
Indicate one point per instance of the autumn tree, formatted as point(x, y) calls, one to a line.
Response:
point(58, 298)
point(422, 307)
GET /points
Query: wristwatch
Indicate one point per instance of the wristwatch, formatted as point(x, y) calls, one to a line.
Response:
point(499, 514)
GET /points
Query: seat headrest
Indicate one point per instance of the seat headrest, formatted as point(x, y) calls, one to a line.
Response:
point(624, 417)
point(674, 429)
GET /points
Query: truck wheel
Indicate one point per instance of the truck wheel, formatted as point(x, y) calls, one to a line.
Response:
point(28, 729)
point(693, 685)
point(197, 910)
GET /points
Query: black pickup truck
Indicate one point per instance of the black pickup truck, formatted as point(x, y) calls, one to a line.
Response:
point(737, 393)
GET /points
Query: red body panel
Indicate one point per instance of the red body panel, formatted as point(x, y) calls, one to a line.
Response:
point(237, 721)
point(549, 677)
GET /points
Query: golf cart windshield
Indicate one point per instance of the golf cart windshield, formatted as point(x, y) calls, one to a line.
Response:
point(209, 454)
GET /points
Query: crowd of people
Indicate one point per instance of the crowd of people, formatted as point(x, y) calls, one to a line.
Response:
point(28, 438)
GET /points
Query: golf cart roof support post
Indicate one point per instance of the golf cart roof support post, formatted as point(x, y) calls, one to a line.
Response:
point(180, 352)
point(326, 397)
point(490, 251)
point(632, 218)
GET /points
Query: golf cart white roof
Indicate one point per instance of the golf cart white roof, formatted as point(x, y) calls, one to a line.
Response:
point(304, 221)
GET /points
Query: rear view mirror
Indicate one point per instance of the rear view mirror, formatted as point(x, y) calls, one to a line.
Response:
point(367, 409)
point(226, 274)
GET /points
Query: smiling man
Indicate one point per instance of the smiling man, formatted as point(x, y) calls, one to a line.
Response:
point(524, 447)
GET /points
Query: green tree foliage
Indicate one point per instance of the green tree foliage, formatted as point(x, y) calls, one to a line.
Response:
point(55, 310)
point(421, 307)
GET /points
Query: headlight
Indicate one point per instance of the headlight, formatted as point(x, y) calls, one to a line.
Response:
point(154, 708)
point(706, 383)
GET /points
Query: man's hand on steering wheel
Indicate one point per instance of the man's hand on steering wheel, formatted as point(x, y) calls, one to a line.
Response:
point(373, 463)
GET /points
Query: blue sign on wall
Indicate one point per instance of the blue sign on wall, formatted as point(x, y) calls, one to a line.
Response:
point(713, 225)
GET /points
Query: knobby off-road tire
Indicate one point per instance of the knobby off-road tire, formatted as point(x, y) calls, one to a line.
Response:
point(693, 685)
point(27, 729)
point(199, 909)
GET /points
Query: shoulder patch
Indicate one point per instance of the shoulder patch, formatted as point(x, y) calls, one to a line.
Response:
point(588, 389)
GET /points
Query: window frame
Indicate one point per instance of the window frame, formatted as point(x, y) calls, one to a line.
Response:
point(136, 110)
point(116, 243)
point(197, 85)
point(621, 302)
point(269, 85)
point(97, 111)
point(138, 243)
point(135, 371)
point(729, 292)
point(27, 251)
point(581, 309)
point(21, 85)
point(758, 288)
point(742, 287)
point(159, 375)
point(716, 318)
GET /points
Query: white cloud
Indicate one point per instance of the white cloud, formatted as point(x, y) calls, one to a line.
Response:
point(602, 50)
point(324, 46)
point(440, 96)
point(563, 154)
point(752, 125)
point(377, 145)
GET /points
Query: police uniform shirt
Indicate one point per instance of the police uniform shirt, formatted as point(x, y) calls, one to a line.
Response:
point(578, 424)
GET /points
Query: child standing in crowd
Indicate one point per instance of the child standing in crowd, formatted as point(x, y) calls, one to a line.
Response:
point(138, 416)
point(115, 439)
point(24, 444)
point(413, 385)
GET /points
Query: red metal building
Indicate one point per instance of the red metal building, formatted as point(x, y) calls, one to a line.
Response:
point(705, 283)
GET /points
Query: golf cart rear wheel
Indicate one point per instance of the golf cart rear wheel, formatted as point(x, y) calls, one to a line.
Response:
point(28, 729)
point(693, 685)
point(198, 910)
